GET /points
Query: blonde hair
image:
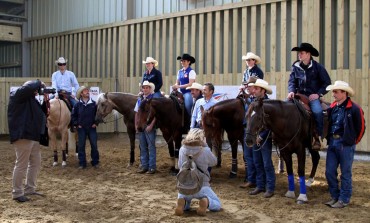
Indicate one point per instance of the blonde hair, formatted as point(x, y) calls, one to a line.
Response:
point(195, 137)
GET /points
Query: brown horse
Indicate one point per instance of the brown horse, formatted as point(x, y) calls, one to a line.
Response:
point(124, 103)
point(171, 118)
point(290, 125)
point(227, 115)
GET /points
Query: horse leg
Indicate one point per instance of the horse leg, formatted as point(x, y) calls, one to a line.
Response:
point(131, 135)
point(301, 156)
point(289, 167)
point(55, 158)
point(63, 144)
point(315, 162)
point(234, 160)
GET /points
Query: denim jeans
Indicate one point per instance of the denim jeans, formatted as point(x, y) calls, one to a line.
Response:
point(316, 108)
point(72, 101)
point(264, 166)
point(214, 203)
point(83, 133)
point(147, 149)
point(339, 155)
point(188, 101)
point(249, 165)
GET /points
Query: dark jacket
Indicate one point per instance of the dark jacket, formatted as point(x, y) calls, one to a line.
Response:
point(354, 123)
point(155, 77)
point(84, 114)
point(26, 120)
point(255, 71)
point(314, 80)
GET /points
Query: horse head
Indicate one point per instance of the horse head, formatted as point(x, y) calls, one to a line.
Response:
point(255, 121)
point(104, 107)
point(211, 126)
point(145, 114)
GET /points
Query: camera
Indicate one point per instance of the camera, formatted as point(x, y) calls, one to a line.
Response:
point(46, 90)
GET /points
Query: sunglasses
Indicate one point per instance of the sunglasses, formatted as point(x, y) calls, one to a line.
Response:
point(61, 64)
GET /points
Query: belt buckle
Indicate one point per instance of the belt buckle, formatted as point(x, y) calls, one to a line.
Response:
point(336, 136)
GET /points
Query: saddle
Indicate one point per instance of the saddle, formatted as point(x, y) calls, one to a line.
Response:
point(63, 95)
point(178, 98)
point(304, 101)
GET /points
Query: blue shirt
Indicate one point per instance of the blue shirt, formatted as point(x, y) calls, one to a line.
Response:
point(337, 120)
point(65, 81)
point(197, 113)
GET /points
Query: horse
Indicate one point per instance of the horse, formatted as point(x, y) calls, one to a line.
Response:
point(58, 119)
point(227, 115)
point(124, 103)
point(290, 125)
point(171, 118)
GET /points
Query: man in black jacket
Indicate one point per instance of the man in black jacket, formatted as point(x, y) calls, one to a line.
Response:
point(26, 122)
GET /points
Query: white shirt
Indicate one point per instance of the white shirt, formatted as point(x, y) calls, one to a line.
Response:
point(65, 81)
point(197, 113)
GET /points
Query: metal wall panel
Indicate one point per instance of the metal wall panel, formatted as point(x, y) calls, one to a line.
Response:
point(10, 59)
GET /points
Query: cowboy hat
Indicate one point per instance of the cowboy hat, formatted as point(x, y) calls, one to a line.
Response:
point(252, 79)
point(308, 48)
point(253, 56)
point(61, 60)
point(150, 84)
point(341, 85)
point(262, 84)
point(187, 57)
point(80, 90)
point(150, 60)
point(195, 86)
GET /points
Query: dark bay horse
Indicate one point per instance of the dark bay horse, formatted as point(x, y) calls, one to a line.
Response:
point(290, 125)
point(124, 103)
point(171, 118)
point(227, 115)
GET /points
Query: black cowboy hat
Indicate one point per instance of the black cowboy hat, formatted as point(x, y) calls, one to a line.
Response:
point(187, 57)
point(308, 48)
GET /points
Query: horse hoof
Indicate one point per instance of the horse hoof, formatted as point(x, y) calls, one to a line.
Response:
point(309, 182)
point(300, 202)
point(174, 171)
point(232, 175)
point(302, 198)
point(64, 164)
point(55, 164)
point(290, 194)
point(130, 165)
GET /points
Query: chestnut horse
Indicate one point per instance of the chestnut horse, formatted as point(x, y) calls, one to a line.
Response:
point(227, 115)
point(290, 125)
point(58, 120)
point(124, 103)
point(171, 118)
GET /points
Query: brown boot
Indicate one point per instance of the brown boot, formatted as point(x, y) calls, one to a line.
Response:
point(180, 207)
point(203, 205)
point(247, 185)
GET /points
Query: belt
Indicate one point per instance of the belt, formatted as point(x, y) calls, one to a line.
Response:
point(336, 136)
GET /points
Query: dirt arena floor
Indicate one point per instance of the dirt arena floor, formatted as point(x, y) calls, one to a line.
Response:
point(116, 193)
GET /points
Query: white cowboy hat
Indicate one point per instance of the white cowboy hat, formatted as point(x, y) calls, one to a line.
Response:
point(341, 85)
point(195, 86)
point(150, 60)
point(253, 56)
point(80, 90)
point(150, 84)
point(61, 60)
point(263, 84)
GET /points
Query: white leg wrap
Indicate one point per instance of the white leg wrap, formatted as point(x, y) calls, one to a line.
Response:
point(176, 163)
point(290, 194)
point(309, 182)
point(302, 197)
point(64, 164)
point(55, 163)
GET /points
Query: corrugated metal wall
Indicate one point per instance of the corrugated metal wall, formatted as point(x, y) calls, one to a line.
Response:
point(10, 59)
point(52, 16)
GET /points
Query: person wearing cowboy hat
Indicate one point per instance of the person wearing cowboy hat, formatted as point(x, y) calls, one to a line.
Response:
point(65, 80)
point(345, 130)
point(148, 135)
point(251, 60)
point(262, 151)
point(310, 78)
point(185, 78)
point(83, 118)
point(153, 75)
point(196, 92)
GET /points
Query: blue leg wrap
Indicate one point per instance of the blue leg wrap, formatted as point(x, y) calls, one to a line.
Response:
point(302, 185)
point(291, 182)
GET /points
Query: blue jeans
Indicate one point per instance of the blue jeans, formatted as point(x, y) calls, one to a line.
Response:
point(83, 133)
point(188, 101)
point(264, 166)
point(249, 165)
point(157, 94)
point(316, 108)
point(214, 203)
point(72, 101)
point(337, 154)
point(147, 149)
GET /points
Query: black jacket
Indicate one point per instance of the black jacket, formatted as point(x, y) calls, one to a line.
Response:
point(155, 77)
point(84, 114)
point(26, 120)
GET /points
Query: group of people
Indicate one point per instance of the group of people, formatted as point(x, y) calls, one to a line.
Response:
point(308, 77)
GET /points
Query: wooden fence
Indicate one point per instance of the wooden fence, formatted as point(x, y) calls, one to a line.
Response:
point(218, 37)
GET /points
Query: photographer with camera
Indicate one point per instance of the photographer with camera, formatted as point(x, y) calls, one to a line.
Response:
point(63, 80)
point(26, 122)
